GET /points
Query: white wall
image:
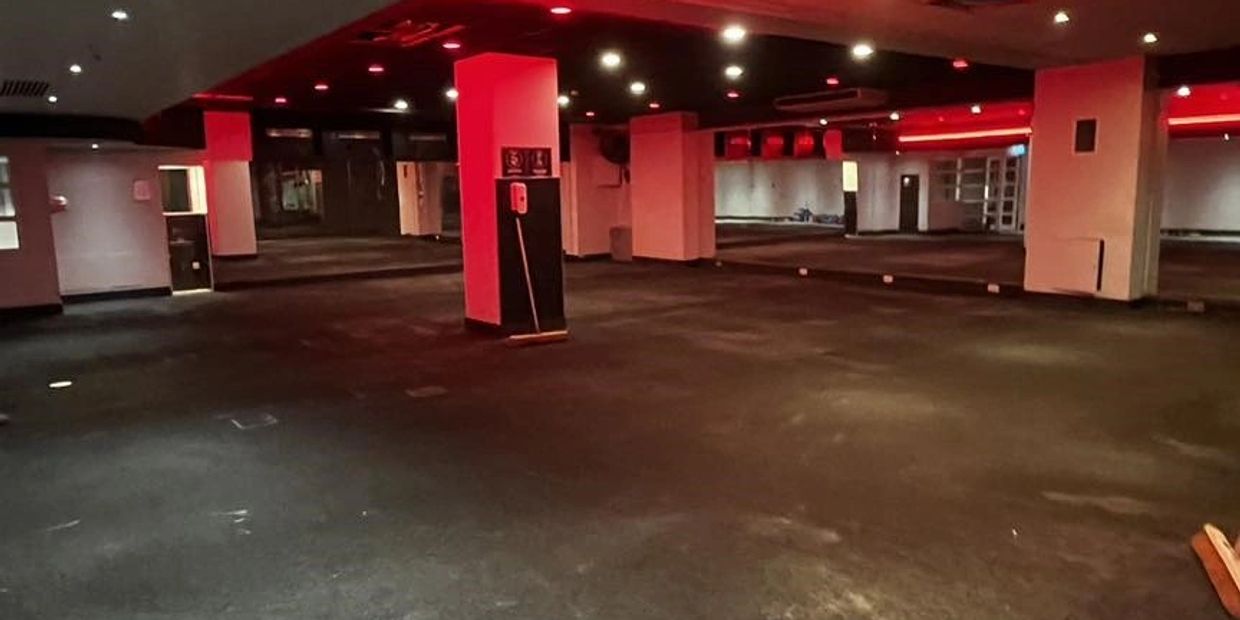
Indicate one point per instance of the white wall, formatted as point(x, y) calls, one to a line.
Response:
point(778, 188)
point(594, 198)
point(673, 188)
point(28, 274)
point(105, 240)
point(1203, 185)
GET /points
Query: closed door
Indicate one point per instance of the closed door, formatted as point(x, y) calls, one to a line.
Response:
point(910, 199)
point(188, 252)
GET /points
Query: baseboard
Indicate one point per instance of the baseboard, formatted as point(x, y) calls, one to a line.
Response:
point(692, 262)
point(235, 257)
point(30, 312)
point(483, 328)
point(587, 258)
point(137, 293)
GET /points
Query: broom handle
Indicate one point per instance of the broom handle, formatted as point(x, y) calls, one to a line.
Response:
point(529, 283)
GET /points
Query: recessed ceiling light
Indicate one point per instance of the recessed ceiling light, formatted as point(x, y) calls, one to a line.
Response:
point(281, 100)
point(654, 105)
point(833, 81)
point(452, 45)
point(732, 94)
point(94, 146)
point(823, 122)
point(563, 101)
point(52, 98)
point(960, 64)
point(734, 71)
point(976, 109)
point(561, 10)
point(1227, 137)
point(1062, 17)
point(895, 116)
point(322, 87)
point(401, 104)
point(120, 15)
point(862, 51)
point(376, 69)
point(637, 88)
point(734, 34)
point(590, 114)
point(1149, 38)
point(75, 69)
point(60, 385)
point(1183, 91)
point(452, 94)
point(610, 60)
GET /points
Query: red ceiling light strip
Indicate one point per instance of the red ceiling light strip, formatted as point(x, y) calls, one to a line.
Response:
point(1210, 119)
point(1011, 132)
point(222, 97)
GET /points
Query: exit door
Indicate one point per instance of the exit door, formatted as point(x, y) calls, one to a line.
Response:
point(910, 202)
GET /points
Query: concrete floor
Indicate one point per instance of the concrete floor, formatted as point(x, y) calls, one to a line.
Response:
point(315, 257)
point(708, 445)
point(1189, 269)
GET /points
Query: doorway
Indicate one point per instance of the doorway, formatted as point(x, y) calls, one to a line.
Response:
point(910, 202)
point(183, 189)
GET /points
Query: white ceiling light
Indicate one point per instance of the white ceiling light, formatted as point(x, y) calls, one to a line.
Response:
point(610, 60)
point(895, 116)
point(1149, 38)
point(60, 385)
point(75, 69)
point(976, 109)
point(734, 71)
point(1062, 17)
point(52, 98)
point(823, 122)
point(1227, 137)
point(637, 88)
point(452, 94)
point(734, 34)
point(862, 51)
point(1183, 91)
point(401, 105)
point(120, 15)
point(563, 100)
point(94, 146)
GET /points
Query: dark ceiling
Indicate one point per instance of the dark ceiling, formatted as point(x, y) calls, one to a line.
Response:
point(683, 66)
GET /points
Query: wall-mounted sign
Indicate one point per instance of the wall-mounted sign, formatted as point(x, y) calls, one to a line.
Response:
point(525, 161)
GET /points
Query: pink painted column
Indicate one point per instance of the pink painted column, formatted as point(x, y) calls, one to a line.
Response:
point(230, 199)
point(673, 188)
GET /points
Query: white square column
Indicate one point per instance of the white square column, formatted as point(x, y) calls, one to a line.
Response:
point(673, 188)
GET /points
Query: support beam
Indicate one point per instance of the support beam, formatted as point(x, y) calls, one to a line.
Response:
point(230, 199)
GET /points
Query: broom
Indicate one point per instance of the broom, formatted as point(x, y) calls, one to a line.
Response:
point(539, 336)
point(1222, 564)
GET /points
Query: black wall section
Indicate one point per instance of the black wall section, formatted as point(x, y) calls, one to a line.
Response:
point(541, 228)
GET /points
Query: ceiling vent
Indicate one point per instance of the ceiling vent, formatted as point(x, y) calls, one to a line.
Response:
point(832, 101)
point(972, 5)
point(407, 33)
point(24, 88)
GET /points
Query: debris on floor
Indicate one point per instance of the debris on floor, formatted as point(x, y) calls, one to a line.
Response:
point(63, 526)
point(1222, 563)
point(429, 391)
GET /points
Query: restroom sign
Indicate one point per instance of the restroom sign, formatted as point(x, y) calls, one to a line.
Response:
point(525, 161)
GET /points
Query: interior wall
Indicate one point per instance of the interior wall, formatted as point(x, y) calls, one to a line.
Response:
point(1202, 185)
point(28, 274)
point(106, 240)
point(595, 196)
point(778, 188)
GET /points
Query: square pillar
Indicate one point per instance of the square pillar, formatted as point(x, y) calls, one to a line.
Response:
point(596, 194)
point(673, 188)
point(509, 135)
point(1094, 205)
point(230, 199)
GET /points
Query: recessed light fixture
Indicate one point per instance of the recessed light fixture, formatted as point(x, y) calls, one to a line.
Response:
point(1149, 38)
point(322, 87)
point(563, 101)
point(60, 385)
point(833, 81)
point(281, 100)
point(610, 60)
point(561, 10)
point(823, 122)
point(734, 72)
point(1183, 91)
point(1226, 137)
point(732, 94)
point(734, 34)
point(120, 15)
point(637, 88)
point(452, 94)
point(401, 104)
point(75, 69)
point(94, 146)
point(862, 51)
point(1062, 17)
point(895, 116)
point(452, 45)
point(960, 64)
point(976, 109)
point(376, 69)
point(654, 105)
point(52, 98)
point(590, 114)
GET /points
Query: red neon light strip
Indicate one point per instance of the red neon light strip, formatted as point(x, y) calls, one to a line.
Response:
point(220, 97)
point(1214, 119)
point(967, 135)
